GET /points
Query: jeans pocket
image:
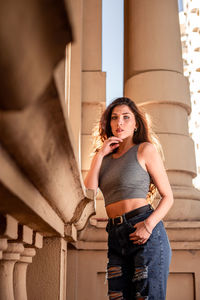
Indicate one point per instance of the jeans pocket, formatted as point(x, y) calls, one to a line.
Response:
point(122, 234)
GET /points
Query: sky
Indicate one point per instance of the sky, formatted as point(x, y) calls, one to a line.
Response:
point(112, 47)
point(180, 5)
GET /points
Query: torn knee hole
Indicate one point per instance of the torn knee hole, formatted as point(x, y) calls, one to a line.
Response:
point(115, 295)
point(114, 271)
point(139, 297)
point(140, 273)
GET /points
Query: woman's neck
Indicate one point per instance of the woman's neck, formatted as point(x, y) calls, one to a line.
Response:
point(125, 145)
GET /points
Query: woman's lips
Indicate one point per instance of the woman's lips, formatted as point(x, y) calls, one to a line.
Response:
point(119, 130)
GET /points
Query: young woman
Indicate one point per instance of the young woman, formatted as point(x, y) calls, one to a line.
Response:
point(127, 168)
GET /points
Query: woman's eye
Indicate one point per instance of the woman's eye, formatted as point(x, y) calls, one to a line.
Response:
point(126, 117)
point(113, 118)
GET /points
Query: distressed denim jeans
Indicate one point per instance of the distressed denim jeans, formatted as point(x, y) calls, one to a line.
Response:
point(137, 271)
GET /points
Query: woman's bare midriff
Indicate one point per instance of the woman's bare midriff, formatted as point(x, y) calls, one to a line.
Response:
point(123, 206)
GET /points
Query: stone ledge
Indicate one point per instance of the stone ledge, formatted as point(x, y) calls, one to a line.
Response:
point(185, 245)
point(182, 224)
point(98, 223)
point(80, 245)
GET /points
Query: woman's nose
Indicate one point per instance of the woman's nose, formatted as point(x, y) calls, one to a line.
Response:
point(120, 121)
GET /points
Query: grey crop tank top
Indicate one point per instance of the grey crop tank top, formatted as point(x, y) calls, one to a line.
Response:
point(123, 177)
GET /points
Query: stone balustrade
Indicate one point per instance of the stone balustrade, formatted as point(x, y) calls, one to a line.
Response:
point(18, 245)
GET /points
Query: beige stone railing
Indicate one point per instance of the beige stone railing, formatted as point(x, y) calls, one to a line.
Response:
point(26, 219)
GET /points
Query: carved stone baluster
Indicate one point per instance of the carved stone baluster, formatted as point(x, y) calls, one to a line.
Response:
point(25, 236)
point(31, 240)
point(9, 254)
point(9, 258)
point(20, 272)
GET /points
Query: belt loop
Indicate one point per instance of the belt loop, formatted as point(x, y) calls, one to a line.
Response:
point(121, 219)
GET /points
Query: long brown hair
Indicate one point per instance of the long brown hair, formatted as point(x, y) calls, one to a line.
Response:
point(144, 132)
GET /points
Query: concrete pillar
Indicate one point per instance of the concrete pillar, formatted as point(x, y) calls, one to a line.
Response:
point(93, 84)
point(93, 286)
point(10, 256)
point(46, 276)
point(89, 259)
point(154, 79)
point(20, 271)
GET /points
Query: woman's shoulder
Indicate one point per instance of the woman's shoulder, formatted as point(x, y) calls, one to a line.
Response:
point(147, 146)
point(147, 149)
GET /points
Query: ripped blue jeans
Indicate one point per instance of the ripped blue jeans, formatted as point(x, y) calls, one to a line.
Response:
point(137, 271)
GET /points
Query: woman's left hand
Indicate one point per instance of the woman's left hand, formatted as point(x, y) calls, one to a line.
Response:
point(140, 235)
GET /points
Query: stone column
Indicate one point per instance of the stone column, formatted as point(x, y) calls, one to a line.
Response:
point(85, 257)
point(10, 256)
point(154, 80)
point(93, 84)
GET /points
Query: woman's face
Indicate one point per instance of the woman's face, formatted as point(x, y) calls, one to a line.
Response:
point(122, 122)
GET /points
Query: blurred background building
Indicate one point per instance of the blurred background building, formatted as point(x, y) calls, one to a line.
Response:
point(189, 17)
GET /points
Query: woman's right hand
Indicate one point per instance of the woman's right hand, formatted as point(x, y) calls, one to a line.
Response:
point(109, 145)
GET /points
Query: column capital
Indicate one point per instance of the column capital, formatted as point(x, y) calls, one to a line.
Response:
point(13, 251)
point(27, 255)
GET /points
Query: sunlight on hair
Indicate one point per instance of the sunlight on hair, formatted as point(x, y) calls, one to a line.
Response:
point(154, 137)
point(97, 140)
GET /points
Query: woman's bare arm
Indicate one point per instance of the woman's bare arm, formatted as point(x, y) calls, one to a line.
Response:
point(157, 171)
point(92, 179)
